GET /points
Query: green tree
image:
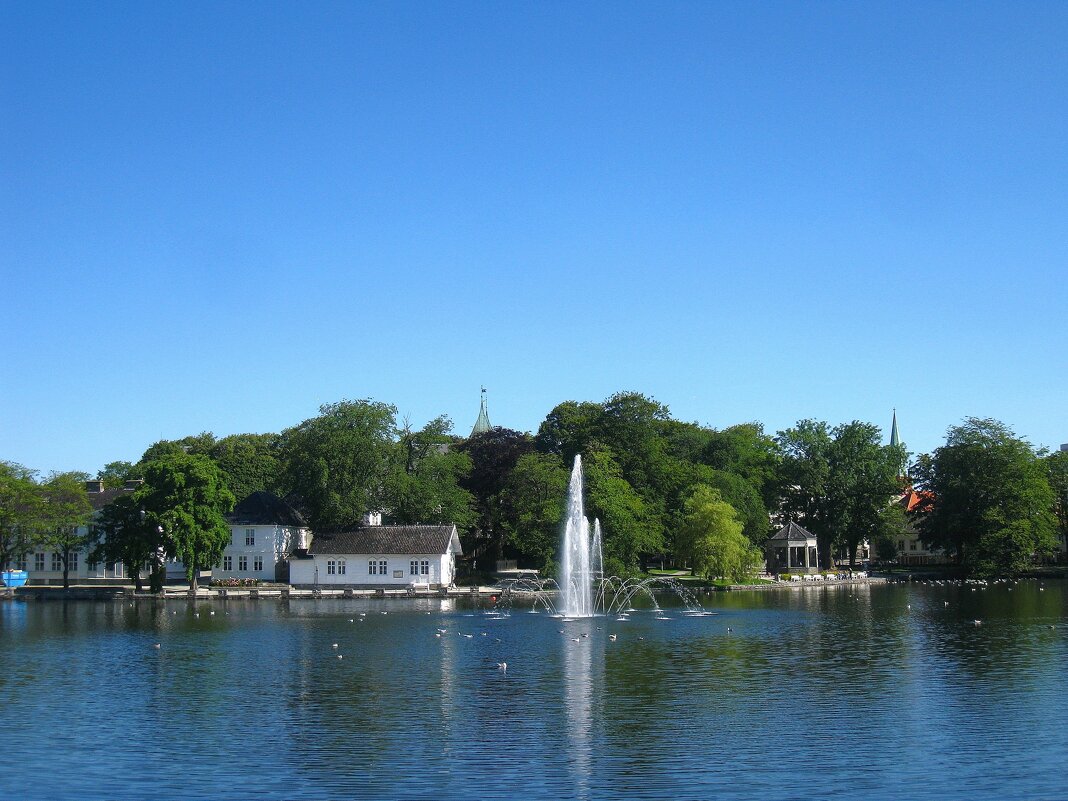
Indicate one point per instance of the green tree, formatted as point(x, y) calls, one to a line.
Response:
point(196, 445)
point(746, 451)
point(863, 479)
point(568, 429)
point(185, 498)
point(123, 534)
point(711, 538)
point(20, 504)
point(116, 474)
point(494, 455)
point(629, 529)
point(65, 512)
point(338, 462)
point(249, 462)
point(992, 499)
point(534, 495)
point(424, 482)
point(1057, 466)
point(804, 475)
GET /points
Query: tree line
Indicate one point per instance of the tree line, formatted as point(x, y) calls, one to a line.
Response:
point(696, 496)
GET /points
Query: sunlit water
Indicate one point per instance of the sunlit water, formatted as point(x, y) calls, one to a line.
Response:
point(815, 693)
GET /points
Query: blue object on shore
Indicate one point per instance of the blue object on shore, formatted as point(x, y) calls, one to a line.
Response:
point(15, 578)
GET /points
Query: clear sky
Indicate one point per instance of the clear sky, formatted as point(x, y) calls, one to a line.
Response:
point(218, 216)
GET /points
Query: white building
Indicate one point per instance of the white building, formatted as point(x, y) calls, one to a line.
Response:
point(264, 531)
point(46, 567)
point(380, 556)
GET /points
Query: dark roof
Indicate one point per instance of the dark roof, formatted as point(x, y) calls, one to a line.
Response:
point(266, 509)
point(99, 500)
point(388, 540)
point(792, 531)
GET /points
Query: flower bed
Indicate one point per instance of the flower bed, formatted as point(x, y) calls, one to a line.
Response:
point(235, 582)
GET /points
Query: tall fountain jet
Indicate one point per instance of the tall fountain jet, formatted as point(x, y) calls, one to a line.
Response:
point(581, 566)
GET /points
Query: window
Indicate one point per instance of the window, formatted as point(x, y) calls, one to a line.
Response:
point(20, 562)
point(424, 567)
point(242, 563)
point(372, 568)
point(250, 536)
point(912, 545)
point(331, 567)
point(74, 561)
point(383, 568)
point(92, 567)
point(257, 563)
point(57, 561)
point(38, 561)
point(413, 568)
point(901, 545)
point(228, 563)
point(341, 567)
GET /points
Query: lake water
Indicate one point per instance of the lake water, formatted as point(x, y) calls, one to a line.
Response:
point(816, 693)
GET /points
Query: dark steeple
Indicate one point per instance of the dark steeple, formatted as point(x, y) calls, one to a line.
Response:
point(482, 424)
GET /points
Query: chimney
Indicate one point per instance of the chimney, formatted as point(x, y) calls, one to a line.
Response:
point(94, 487)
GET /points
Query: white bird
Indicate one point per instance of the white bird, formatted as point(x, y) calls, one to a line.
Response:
point(946, 603)
point(157, 645)
point(363, 614)
point(339, 656)
point(612, 637)
point(502, 666)
point(442, 631)
point(351, 620)
point(483, 634)
point(729, 630)
point(574, 639)
point(977, 622)
point(334, 645)
point(468, 636)
point(908, 606)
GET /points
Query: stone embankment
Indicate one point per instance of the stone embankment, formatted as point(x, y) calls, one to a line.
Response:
point(276, 592)
point(805, 583)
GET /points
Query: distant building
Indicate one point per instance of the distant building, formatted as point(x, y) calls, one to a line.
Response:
point(482, 424)
point(911, 550)
point(264, 531)
point(380, 556)
point(46, 567)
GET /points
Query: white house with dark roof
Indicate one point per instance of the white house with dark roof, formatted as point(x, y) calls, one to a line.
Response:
point(380, 556)
point(264, 531)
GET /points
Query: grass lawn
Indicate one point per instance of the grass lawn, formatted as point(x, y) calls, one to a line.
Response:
point(684, 577)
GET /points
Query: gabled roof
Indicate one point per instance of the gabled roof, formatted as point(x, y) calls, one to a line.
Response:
point(918, 501)
point(98, 500)
point(389, 540)
point(265, 509)
point(793, 533)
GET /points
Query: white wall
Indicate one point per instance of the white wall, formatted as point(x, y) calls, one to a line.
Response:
point(440, 566)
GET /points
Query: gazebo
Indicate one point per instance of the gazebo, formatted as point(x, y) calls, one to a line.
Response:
point(792, 549)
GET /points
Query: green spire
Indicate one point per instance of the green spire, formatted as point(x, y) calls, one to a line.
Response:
point(895, 440)
point(482, 424)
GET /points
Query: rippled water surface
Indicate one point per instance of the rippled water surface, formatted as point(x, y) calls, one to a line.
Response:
point(883, 692)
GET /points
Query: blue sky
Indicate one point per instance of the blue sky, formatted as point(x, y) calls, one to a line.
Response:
point(218, 216)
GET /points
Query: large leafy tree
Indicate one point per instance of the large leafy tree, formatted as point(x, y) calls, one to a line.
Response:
point(711, 538)
point(249, 462)
point(805, 472)
point(116, 474)
point(185, 499)
point(423, 485)
point(494, 455)
point(992, 499)
point(123, 534)
point(534, 496)
point(629, 529)
point(1057, 465)
point(65, 512)
point(338, 462)
point(862, 481)
point(20, 504)
point(746, 451)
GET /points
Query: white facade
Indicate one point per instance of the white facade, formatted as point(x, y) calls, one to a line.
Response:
point(380, 556)
point(256, 549)
point(381, 570)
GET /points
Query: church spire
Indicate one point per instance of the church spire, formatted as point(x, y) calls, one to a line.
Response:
point(482, 424)
point(895, 440)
